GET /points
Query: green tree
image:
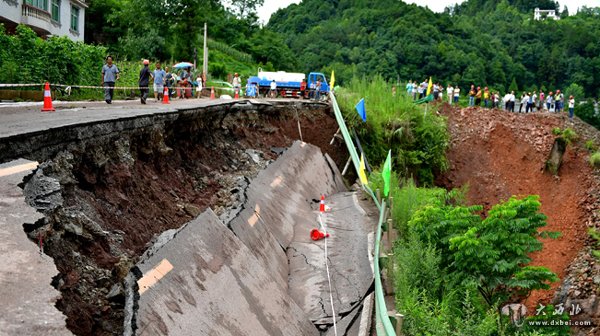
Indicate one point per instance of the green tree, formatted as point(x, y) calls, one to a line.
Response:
point(576, 91)
point(243, 8)
point(492, 252)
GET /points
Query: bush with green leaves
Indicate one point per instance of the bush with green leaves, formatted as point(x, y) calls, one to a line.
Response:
point(587, 113)
point(493, 251)
point(26, 58)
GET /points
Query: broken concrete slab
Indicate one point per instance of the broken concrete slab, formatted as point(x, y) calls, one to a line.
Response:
point(28, 299)
point(348, 250)
point(205, 281)
point(280, 198)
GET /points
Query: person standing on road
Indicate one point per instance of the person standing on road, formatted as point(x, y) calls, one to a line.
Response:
point(237, 83)
point(486, 96)
point(549, 101)
point(529, 106)
point(472, 96)
point(318, 90)
point(478, 96)
point(159, 82)
point(541, 101)
point(571, 107)
point(168, 80)
point(110, 74)
point(450, 92)
point(144, 81)
point(559, 100)
point(414, 90)
point(199, 86)
point(511, 101)
point(456, 94)
point(524, 102)
point(273, 89)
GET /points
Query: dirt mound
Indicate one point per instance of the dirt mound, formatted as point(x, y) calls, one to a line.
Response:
point(500, 154)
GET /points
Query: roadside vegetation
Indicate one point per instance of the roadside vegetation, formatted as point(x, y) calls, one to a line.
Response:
point(419, 138)
point(454, 265)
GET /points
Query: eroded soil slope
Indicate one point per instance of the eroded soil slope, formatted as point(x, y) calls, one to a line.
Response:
point(500, 154)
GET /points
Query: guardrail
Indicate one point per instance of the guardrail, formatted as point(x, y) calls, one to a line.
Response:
point(384, 325)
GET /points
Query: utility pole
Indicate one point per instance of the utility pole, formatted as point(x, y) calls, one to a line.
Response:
point(195, 58)
point(205, 58)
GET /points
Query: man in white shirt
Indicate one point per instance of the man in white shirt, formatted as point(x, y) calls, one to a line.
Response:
point(450, 92)
point(237, 83)
point(571, 108)
point(273, 91)
point(456, 94)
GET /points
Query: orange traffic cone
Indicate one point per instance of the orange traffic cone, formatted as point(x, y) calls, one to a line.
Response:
point(212, 92)
point(237, 94)
point(316, 234)
point(47, 99)
point(322, 205)
point(166, 96)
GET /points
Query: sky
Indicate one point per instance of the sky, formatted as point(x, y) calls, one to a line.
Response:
point(271, 6)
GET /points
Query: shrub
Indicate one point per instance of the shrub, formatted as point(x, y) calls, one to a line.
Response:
point(590, 145)
point(569, 135)
point(493, 251)
point(595, 160)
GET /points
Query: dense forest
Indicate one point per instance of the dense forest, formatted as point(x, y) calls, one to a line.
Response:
point(485, 42)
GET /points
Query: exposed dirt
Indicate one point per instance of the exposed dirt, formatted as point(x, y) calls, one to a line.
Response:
point(121, 191)
point(500, 154)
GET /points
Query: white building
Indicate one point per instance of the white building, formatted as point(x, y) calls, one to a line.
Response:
point(45, 17)
point(545, 14)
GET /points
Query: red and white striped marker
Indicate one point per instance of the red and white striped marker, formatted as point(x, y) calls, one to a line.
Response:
point(322, 205)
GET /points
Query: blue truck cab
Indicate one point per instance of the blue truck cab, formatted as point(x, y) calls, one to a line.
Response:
point(313, 77)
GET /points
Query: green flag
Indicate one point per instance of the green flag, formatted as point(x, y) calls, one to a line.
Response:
point(387, 174)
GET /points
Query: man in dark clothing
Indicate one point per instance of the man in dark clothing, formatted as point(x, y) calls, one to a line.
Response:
point(145, 75)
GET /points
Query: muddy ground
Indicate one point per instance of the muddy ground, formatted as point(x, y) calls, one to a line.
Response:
point(106, 199)
point(500, 154)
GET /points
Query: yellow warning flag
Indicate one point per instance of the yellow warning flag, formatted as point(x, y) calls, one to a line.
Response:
point(429, 87)
point(361, 172)
point(332, 79)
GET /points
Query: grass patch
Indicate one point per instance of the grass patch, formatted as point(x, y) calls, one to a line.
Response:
point(595, 160)
point(417, 135)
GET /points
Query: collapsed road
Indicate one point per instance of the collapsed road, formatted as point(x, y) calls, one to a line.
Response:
point(189, 219)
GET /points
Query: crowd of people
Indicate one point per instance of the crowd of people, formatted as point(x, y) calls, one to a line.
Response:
point(553, 101)
point(179, 84)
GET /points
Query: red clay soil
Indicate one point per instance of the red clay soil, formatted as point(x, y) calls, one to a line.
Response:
point(500, 154)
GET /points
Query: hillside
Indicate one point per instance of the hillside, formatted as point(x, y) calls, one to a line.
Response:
point(489, 43)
